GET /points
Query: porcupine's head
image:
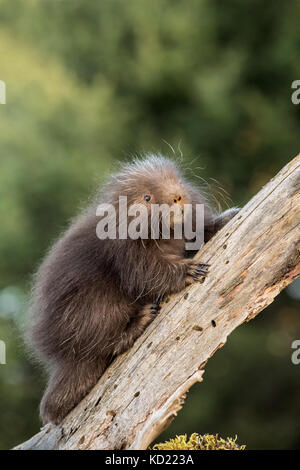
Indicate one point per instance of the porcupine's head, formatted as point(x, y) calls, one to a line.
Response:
point(153, 181)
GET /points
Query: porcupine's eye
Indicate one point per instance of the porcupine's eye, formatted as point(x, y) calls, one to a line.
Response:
point(147, 198)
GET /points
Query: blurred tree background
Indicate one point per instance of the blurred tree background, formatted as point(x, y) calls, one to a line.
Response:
point(93, 82)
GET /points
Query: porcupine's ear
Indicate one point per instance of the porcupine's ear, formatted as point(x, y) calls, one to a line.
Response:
point(218, 222)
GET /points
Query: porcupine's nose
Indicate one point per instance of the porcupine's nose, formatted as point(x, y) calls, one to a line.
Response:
point(179, 202)
point(177, 198)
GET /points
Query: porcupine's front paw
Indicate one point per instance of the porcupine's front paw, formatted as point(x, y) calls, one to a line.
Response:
point(196, 271)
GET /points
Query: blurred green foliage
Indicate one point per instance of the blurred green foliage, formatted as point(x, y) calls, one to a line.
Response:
point(91, 82)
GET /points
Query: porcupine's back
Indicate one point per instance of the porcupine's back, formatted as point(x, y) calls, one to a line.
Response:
point(65, 287)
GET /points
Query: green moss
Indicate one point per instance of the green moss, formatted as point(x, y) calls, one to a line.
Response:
point(198, 442)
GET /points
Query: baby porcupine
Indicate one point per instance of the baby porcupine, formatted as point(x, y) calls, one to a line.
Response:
point(92, 298)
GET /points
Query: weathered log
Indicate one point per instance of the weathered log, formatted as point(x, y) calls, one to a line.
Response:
point(252, 259)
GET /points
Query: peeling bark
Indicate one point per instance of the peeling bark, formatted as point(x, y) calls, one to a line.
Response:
point(252, 259)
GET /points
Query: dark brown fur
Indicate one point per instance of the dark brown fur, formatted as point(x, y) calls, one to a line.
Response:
point(92, 298)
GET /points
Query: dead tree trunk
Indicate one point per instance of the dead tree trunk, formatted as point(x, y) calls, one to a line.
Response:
point(252, 259)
